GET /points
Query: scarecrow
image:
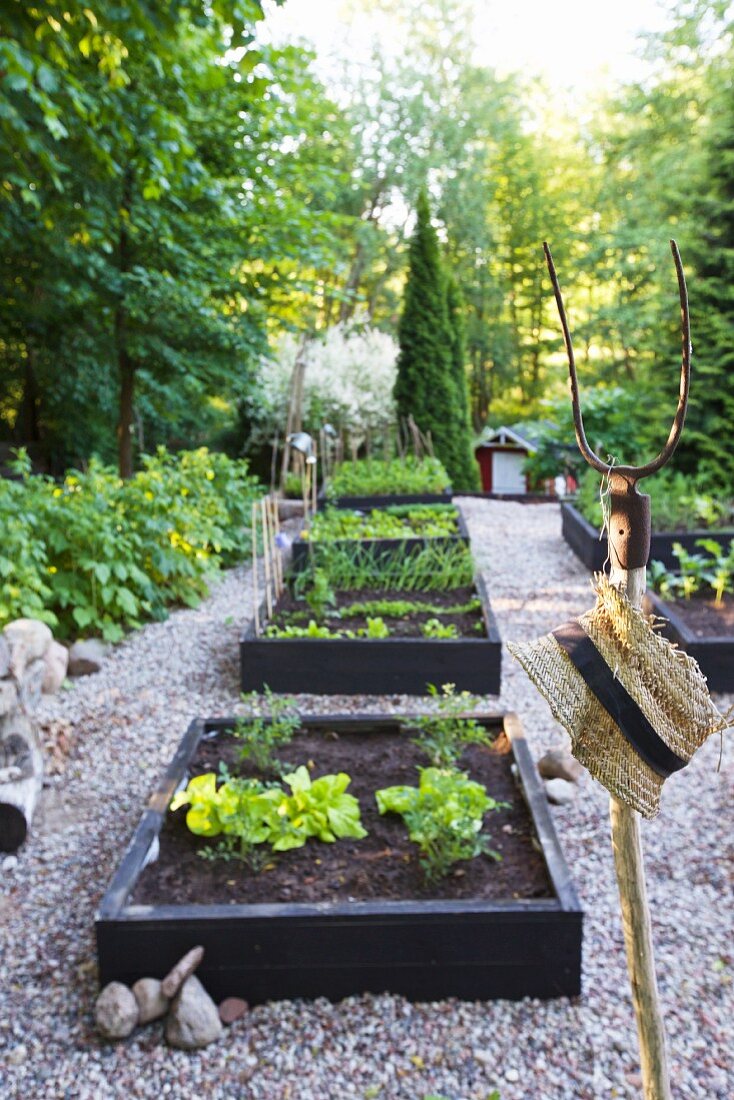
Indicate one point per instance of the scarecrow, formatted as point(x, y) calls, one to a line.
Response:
point(635, 707)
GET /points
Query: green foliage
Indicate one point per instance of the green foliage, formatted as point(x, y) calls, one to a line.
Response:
point(433, 628)
point(97, 555)
point(444, 815)
point(679, 502)
point(320, 594)
point(399, 609)
point(256, 813)
point(467, 471)
point(425, 387)
point(377, 628)
point(388, 477)
point(313, 630)
point(273, 720)
point(444, 734)
point(713, 570)
point(439, 565)
point(417, 521)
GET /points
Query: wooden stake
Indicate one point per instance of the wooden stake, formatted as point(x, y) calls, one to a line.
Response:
point(275, 531)
point(630, 867)
point(255, 594)
point(266, 559)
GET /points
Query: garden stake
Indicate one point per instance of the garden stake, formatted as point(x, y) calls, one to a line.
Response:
point(255, 596)
point(266, 557)
point(628, 529)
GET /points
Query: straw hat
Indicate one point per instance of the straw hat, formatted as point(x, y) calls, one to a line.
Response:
point(635, 706)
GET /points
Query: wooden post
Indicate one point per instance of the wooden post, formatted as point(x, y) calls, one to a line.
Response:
point(266, 558)
point(274, 532)
point(255, 594)
point(635, 908)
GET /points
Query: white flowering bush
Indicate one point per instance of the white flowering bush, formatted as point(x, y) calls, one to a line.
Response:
point(348, 382)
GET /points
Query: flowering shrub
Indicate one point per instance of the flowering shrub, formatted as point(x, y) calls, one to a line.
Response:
point(95, 555)
point(348, 382)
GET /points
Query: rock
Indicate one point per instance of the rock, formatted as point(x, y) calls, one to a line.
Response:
point(86, 656)
point(183, 969)
point(289, 509)
point(231, 1009)
point(559, 764)
point(151, 1002)
point(4, 656)
point(8, 697)
point(193, 1021)
point(559, 791)
point(28, 640)
point(9, 864)
point(116, 1011)
point(56, 660)
point(31, 684)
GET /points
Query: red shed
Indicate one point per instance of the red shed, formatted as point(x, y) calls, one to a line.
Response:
point(501, 456)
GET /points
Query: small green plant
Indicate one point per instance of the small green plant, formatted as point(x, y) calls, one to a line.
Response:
point(692, 571)
point(433, 628)
point(443, 735)
point(313, 630)
point(248, 813)
point(399, 609)
point(319, 595)
point(272, 722)
point(697, 572)
point(377, 628)
point(418, 521)
point(444, 816)
point(719, 573)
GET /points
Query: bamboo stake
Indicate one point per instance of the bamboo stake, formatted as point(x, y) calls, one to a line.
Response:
point(630, 867)
point(255, 594)
point(275, 531)
point(266, 558)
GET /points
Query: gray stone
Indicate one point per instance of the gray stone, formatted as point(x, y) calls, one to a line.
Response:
point(86, 656)
point(116, 1011)
point(8, 697)
point(31, 684)
point(560, 764)
point(183, 969)
point(193, 1021)
point(231, 1009)
point(4, 657)
point(151, 1002)
point(56, 660)
point(559, 791)
point(28, 640)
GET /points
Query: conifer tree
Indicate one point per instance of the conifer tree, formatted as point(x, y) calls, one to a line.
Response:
point(463, 458)
point(424, 386)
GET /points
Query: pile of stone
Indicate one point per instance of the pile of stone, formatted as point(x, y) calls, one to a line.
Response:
point(193, 1020)
point(561, 772)
point(31, 662)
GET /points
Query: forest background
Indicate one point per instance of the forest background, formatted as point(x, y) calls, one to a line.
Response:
point(181, 198)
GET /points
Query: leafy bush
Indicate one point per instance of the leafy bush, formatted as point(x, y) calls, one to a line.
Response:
point(418, 521)
point(444, 815)
point(98, 555)
point(381, 477)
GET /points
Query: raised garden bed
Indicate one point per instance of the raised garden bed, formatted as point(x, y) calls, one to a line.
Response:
point(379, 547)
point(362, 919)
point(704, 631)
point(583, 538)
point(378, 666)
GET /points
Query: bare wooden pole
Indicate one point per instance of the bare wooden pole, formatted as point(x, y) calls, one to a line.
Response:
point(255, 594)
point(630, 867)
point(266, 558)
point(274, 532)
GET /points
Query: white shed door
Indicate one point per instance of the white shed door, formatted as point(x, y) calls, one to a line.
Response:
point(507, 475)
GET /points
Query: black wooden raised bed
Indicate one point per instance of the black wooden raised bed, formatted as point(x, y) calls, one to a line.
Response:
point(373, 666)
point(369, 502)
point(423, 949)
point(583, 538)
point(379, 548)
point(714, 654)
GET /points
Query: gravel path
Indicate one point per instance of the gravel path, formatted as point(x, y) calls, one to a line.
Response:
point(126, 722)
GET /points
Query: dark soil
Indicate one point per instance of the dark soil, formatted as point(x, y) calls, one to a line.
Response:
point(704, 619)
point(468, 625)
point(382, 865)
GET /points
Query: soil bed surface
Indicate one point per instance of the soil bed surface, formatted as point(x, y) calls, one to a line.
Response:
point(704, 619)
point(383, 865)
point(292, 611)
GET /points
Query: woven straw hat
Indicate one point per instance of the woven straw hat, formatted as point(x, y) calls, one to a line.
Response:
point(635, 706)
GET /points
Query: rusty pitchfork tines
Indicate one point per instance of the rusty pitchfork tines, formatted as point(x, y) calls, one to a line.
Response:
point(629, 516)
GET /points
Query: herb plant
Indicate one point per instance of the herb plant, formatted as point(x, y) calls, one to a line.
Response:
point(433, 628)
point(713, 570)
point(417, 521)
point(443, 735)
point(273, 721)
point(444, 816)
point(437, 566)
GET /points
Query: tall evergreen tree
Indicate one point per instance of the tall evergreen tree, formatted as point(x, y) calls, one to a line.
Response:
point(424, 386)
point(707, 439)
point(463, 457)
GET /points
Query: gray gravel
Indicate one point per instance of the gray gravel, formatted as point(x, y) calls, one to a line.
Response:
point(126, 722)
